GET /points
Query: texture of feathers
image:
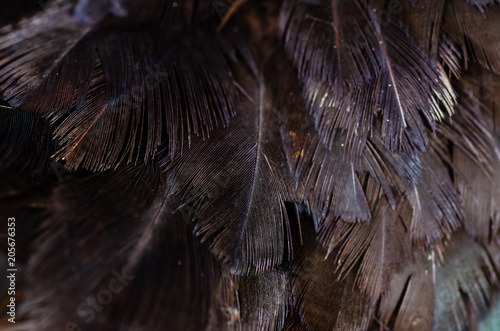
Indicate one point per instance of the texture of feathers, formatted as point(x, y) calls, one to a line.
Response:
point(252, 165)
point(378, 79)
point(236, 183)
point(148, 85)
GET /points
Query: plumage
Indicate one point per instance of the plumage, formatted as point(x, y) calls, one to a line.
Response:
point(472, 29)
point(145, 12)
point(320, 172)
point(27, 141)
point(423, 19)
point(251, 165)
point(378, 79)
point(476, 167)
point(235, 184)
point(129, 253)
point(84, 88)
point(317, 283)
point(434, 276)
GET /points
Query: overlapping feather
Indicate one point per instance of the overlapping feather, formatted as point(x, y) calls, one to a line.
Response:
point(363, 71)
point(153, 93)
point(368, 134)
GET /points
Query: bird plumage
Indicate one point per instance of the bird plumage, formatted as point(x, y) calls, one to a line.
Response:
point(257, 165)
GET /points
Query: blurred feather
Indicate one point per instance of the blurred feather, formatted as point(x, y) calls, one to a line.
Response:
point(474, 30)
point(13, 10)
point(138, 248)
point(169, 12)
point(27, 141)
point(118, 242)
point(423, 19)
point(463, 284)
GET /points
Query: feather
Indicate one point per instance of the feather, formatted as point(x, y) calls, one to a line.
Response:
point(235, 184)
point(474, 30)
point(423, 18)
point(115, 247)
point(169, 12)
point(22, 198)
point(476, 160)
point(345, 86)
point(436, 206)
point(325, 178)
point(160, 263)
point(253, 302)
point(263, 300)
point(156, 158)
point(328, 180)
point(13, 10)
point(481, 3)
point(436, 210)
point(225, 300)
point(379, 247)
point(27, 142)
point(294, 323)
point(85, 89)
point(460, 287)
point(405, 103)
point(407, 306)
point(323, 301)
point(461, 294)
point(332, 74)
point(450, 55)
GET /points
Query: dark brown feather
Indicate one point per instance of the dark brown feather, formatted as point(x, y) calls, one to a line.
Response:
point(474, 30)
point(445, 288)
point(203, 127)
point(423, 18)
point(27, 142)
point(130, 237)
point(87, 90)
point(323, 300)
point(409, 303)
point(235, 184)
point(326, 179)
point(476, 157)
point(352, 74)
